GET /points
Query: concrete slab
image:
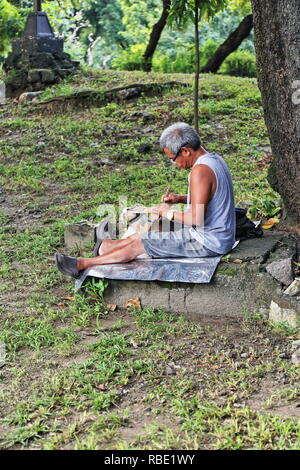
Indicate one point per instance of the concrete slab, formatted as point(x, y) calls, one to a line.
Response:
point(242, 290)
point(258, 248)
point(235, 289)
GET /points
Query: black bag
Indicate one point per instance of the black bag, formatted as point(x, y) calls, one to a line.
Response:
point(245, 228)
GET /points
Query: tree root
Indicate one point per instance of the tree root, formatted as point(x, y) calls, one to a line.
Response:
point(85, 98)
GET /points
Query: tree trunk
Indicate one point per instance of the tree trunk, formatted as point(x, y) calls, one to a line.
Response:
point(197, 71)
point(277, 42)
point(233, 41)
point(155, 36)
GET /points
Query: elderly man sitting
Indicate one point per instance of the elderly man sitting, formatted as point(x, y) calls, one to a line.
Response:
point(208, 224)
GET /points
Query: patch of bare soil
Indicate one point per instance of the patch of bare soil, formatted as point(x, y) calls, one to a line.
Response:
point(273, 385)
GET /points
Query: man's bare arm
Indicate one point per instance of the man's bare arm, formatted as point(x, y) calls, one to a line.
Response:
point(203, 184)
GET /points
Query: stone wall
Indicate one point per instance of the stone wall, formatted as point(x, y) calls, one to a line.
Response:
point(34, 65)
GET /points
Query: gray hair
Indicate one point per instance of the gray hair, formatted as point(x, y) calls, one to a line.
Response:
point(179, 135)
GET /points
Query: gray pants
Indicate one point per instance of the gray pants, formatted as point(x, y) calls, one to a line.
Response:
point(178, 244)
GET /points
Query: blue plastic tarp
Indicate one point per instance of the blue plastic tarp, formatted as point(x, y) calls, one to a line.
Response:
point(192, 270)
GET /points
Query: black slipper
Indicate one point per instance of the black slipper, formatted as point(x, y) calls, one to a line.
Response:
point(104, 230)
point(67, 265)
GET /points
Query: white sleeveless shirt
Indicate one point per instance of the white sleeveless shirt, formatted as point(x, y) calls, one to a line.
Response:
point(218, 232)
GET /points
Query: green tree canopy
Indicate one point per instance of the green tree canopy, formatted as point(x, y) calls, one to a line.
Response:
point(242, 6)
point(183, 11)
point(10, 22)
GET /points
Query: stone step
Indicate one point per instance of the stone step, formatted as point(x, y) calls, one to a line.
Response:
point(240, 286)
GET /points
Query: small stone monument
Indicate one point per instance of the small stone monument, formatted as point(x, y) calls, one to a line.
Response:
point(37, 59)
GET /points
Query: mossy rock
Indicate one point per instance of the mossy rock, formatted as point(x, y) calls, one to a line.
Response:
point(16, 78)
point(42, 60)
point(12, 61)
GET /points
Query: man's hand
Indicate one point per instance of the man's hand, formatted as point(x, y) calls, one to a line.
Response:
point(203, 187)
point(171, 198)
point(161, 210)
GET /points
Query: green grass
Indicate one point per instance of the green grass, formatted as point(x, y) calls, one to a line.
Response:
point(231, 103)
point(79, 376)
point(34, 333)
point(122, 359)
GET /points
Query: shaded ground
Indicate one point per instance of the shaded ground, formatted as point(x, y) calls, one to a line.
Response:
point(80, 376)
point(146, 379)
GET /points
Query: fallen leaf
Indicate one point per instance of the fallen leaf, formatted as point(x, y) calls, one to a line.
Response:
point(237, 261)
point(265, 161)
point(111, 307)
point(101, 387)
point(69, 298)
point(297, 336)
point(61, 304)
point(269, 223)
point(136, 303)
